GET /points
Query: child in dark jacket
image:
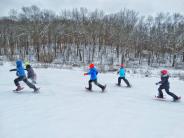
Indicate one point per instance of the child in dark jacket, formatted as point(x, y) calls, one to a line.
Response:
point(30, 73)
point(164, 84)
point(22, 77)
point(93, 73)
point(121, 73)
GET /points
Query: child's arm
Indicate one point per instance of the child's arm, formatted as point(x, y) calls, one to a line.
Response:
point(160, 82)
point(87, 73)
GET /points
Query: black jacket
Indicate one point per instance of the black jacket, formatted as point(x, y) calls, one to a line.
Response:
point(164, 81)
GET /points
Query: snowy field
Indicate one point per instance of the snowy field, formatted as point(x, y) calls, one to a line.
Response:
point(63, 109)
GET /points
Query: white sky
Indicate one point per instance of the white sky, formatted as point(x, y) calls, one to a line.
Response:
point(144, 7)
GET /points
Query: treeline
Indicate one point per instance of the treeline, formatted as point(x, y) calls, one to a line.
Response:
point(82, 36)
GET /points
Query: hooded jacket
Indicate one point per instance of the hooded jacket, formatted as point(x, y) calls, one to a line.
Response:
point(20, 69)
point(30, 72)
point(93, 72)
point(164, 81)
point(122, 72)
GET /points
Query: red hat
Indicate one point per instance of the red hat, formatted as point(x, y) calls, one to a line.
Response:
point(91, 66)
point(122, 65)
point(164, 72)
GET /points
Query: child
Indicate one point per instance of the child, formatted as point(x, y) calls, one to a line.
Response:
point(164, 84)
point(121, 72)
point(22, 77)
point(30, 73)
point(93, 72)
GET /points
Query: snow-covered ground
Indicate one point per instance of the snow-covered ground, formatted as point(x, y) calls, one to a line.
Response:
point(63, 109)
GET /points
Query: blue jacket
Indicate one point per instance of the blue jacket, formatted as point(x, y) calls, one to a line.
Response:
point(122, 72)
point(93, 72)
point(20, 69)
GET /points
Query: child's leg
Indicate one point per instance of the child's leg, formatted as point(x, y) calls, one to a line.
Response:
point(119, 80)
point(170, 93)
point(29, 84)
point(160, 93)
point(90, 84)
point(98, 84)
point(126, 81)
point(16, 81)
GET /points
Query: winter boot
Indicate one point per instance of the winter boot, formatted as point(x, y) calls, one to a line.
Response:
point(129, 86)
point(118, 84)
point(36, 89)
point(103, 88)
point(19, 88)
point(159, 96)
point(88, 89)
point(176, 99)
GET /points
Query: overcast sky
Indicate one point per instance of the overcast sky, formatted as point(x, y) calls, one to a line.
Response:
point(144, 7)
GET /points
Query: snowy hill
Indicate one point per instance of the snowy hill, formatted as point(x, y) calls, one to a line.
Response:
point(63, 109)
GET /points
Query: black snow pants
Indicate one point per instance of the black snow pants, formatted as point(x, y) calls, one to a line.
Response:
point(167, 91)
point(125, 80)
point(96, 83)
point(23, 78)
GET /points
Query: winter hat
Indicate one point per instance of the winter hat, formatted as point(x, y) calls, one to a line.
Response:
point(164, 72)
point(122, 65)
point(91, 65)
point(19, 63)
point(27, 63)
point(28, 66)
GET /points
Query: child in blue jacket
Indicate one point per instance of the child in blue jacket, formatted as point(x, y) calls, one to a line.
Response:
point(93, 73)
point(121, 72)
point(22, 77)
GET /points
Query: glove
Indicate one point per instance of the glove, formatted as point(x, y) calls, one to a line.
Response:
point(85, 74)
point(157, 83)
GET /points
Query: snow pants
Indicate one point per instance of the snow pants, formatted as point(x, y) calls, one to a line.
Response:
point(167, 91)
point(23, 78)
point(125, 80)
point(96, 83)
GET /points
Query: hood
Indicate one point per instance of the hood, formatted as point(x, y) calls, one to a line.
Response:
point(19, 63)
point(93, 68)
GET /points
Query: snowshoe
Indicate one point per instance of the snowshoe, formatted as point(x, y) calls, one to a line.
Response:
point(175, 100)
point(88, 89)
point(18, 89)
point(36, 90)
point(159, 97)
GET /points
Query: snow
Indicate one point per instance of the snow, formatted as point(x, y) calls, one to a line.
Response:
point(63, 109)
